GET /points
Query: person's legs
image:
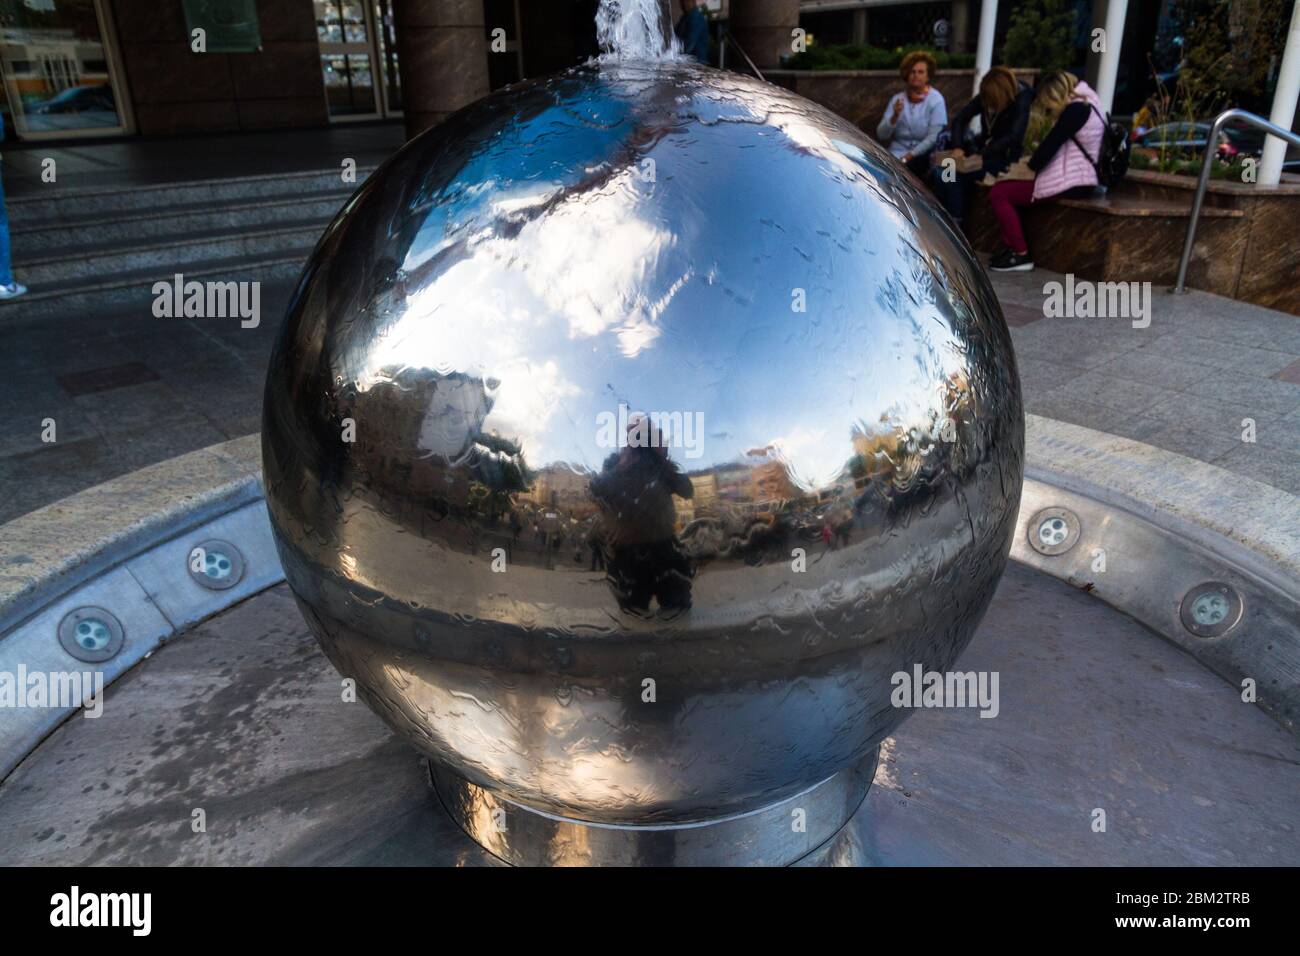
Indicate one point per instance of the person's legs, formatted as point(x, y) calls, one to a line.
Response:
point(948, 193)
point(919, 166)
point(952, 195)
point(1004, 197)
point(672, 576)
point(631, 577)
point(6, 268)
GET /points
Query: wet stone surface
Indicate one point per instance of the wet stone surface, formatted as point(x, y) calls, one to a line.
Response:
point(243, 718)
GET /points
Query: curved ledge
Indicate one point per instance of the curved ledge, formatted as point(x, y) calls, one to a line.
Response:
point(1159, 484)
point(1166, 523)
point(48, 552)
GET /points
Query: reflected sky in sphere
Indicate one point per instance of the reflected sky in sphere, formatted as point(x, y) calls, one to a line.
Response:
point(589, 241)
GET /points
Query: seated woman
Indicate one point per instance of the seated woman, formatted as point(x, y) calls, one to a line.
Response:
point(1067, 124)
point(914, 117)
point(1003, 107)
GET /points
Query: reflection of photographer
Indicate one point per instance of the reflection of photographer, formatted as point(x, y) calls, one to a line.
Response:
point(635, 491)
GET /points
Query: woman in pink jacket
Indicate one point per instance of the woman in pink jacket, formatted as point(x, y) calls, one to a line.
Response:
point(1067, 123)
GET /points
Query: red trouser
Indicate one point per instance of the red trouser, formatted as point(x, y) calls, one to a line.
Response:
point(1005, 196)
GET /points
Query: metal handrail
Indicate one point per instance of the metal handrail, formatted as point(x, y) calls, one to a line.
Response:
point(722, 54)
point(1211, 145)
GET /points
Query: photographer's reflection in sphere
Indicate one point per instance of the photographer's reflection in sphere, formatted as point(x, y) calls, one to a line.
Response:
point(447, 443)
point(638, 520)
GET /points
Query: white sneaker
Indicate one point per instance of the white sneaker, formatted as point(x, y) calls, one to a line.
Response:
point(12, 291)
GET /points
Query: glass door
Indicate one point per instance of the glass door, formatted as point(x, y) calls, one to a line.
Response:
point(358, 58)
point(386, 34)
point(58, 76)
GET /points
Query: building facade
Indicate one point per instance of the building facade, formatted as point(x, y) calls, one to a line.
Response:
point(94, 68)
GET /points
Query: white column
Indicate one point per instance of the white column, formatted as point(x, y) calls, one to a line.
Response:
point(1108, 66)
point(1284, 103)
point(984, 49)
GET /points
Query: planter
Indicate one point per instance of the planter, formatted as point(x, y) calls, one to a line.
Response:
point(1258, 256)
point(1247, 241)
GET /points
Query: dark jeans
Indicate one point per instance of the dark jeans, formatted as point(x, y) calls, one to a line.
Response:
point(919, 166)
point(954, 196)
point(6, 272)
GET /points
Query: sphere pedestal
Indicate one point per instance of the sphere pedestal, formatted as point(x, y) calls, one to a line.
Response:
point(804, 829)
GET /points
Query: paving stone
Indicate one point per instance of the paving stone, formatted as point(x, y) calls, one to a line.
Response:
point(1273, 430)
point(106, 378)
point(1040, 375)
point(1261, 394)
point(1202, 442)
point(1218, 354)
point(1061, 405)
point(24, 430)
point(1146, 365)
point(1121, 394)
point(1289, 374)
point(1183, 384)
point(136, 406)
point(1272, 468)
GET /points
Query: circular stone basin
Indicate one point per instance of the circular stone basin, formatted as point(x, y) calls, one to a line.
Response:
point(242, 717)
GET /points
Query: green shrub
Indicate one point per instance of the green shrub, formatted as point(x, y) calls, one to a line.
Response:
point(1041, 34)
point(859, 56)
point(1187, 165)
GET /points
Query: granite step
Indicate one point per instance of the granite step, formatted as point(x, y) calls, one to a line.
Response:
point(36, 241)
point(64, 205)
point(133, 290)
point(166, 256)
point(94, 249)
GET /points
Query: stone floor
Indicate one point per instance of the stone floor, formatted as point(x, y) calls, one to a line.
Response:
point(242, 717)
point(184, 158)
point(122, 395)
point(1187, 383)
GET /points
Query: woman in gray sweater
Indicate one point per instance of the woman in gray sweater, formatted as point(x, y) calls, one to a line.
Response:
point(915, 117)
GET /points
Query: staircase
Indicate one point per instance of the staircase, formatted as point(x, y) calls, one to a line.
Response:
point(102, 249)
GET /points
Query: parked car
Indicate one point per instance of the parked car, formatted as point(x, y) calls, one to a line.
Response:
point(1237, 138)
point(76, 99)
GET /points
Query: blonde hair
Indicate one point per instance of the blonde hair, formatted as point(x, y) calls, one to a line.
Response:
point(998, 89)
point(1055, 90)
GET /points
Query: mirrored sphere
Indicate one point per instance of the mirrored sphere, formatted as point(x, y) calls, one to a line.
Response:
point(630, 430)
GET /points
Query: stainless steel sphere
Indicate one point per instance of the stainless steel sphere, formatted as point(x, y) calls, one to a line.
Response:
point(628, 432)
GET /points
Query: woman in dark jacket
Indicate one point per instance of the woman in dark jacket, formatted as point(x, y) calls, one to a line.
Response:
point(1003, 106)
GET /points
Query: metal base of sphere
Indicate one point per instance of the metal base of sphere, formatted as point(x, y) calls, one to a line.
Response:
point(811, 828)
